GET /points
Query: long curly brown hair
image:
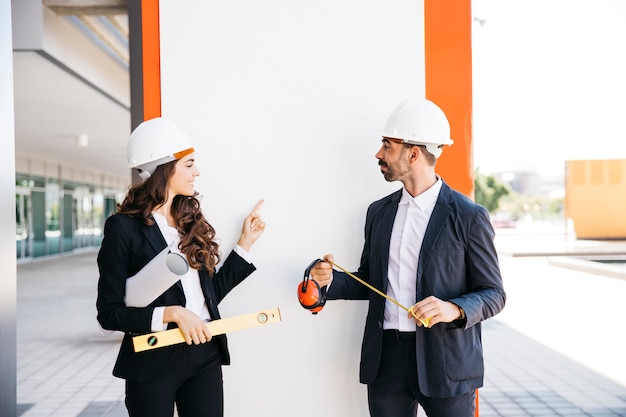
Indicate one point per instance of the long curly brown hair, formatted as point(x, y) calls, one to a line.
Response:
point(196, 234)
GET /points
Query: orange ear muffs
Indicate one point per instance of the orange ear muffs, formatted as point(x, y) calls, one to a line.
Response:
point(310, 295)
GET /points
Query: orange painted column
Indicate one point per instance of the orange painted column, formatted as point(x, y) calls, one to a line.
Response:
point(151, 59)
point(448, 54)
point(145, 64)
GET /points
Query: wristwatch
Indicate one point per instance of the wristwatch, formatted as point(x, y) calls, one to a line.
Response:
point(462, 313)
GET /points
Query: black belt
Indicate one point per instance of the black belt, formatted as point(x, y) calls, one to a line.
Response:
point(397, 334)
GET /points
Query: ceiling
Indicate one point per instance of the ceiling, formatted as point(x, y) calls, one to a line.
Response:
point(59, 116)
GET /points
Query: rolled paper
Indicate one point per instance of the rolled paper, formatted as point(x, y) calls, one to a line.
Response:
point(163, 271)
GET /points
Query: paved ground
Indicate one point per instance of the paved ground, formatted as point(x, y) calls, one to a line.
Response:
point(556, 349)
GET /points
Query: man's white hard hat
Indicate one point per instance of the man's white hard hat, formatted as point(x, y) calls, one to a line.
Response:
point(419, 121)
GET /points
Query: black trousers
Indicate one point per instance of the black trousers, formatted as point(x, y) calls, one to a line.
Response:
point(193, 382)
point(395, 392)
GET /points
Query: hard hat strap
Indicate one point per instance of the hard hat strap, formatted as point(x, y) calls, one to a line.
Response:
point(433, 148)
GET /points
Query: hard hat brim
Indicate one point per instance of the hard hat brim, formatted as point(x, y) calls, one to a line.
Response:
point(412, 142)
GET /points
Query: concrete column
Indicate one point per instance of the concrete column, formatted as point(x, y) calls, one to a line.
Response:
point(8, 351)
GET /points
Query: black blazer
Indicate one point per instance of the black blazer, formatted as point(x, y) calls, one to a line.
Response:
point(457, 263)
point(128, 245)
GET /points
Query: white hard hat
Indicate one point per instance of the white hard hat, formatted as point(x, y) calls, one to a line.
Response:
point(419, 121)
point(156, 142)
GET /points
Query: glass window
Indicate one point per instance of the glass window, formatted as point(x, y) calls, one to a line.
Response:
point(22, 222)
point(53, 217)
point(83, 204)
point(97, 217)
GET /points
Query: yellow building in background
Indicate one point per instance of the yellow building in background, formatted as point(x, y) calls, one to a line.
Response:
point(595, 198)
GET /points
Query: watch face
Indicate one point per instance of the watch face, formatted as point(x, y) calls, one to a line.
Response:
point(262, 318)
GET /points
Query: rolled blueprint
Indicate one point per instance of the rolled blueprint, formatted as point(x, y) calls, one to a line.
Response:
point(163, 271)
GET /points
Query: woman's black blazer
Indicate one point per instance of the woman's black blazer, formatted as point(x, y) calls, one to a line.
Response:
point(128, 245)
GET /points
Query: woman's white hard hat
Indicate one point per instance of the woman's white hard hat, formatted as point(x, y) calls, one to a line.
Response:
point(156, 142)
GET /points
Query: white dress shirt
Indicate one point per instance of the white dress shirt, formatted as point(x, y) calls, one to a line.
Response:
point(190, 281)
point(404, 249)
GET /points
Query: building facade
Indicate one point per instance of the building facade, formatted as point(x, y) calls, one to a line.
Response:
point(72, 121)
point(61, 209)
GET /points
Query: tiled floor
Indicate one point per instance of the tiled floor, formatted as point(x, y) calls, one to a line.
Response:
point(56, 376)
point(526, 378)
point(63, 360)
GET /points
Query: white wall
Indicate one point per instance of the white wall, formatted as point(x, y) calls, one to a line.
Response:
point(285, 101)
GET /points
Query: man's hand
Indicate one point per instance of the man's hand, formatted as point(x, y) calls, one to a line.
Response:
point(432, 310)
point(322, 273)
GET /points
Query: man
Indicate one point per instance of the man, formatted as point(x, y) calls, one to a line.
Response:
point(429, 247)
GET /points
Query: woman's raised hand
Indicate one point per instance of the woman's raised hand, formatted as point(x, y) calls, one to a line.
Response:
point(253, 227)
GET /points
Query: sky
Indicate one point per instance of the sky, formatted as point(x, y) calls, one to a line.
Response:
point(549, 83)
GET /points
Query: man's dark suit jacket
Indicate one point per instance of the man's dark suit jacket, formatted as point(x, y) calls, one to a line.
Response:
point(128, 245)
point(457, 263)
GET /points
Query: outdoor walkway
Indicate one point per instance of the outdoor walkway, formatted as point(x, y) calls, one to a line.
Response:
point(555, 350)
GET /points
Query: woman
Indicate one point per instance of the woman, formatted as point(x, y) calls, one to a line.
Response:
point(163, 211)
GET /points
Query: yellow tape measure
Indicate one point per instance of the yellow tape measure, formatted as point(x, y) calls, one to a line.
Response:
point(377, 291)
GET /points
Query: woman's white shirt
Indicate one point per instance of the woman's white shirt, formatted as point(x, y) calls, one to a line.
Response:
point(190, 281)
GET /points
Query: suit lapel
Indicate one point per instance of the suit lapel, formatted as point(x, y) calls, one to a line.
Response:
point(436, 224)
point(155, 238)
point(388, 216)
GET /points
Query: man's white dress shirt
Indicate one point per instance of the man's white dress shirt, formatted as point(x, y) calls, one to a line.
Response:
point(404, 249)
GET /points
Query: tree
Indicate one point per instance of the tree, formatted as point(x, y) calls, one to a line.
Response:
point(488, 191)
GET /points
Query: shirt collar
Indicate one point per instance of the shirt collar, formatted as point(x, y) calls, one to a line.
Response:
point(169, 233)
point(426, 199)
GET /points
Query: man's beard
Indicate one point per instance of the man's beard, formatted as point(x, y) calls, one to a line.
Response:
point(389, 174)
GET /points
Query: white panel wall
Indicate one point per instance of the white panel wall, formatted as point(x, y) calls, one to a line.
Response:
point(285, 101)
